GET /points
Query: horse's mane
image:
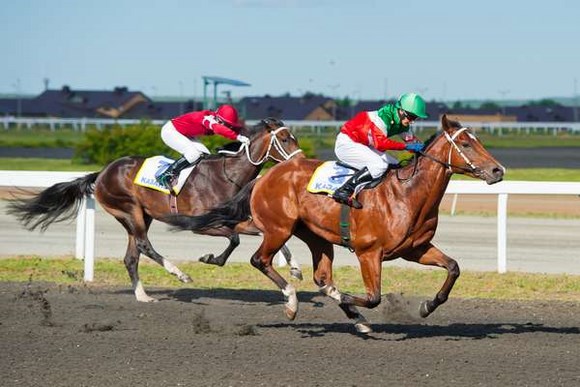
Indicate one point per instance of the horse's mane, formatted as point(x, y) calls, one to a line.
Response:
point(262, 124)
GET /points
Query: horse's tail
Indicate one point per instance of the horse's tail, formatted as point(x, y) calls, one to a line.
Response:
point(229, 214)
point(56, 203)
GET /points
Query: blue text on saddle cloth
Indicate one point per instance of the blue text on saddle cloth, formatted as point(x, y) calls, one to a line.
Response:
point(331, 180)
point(160, 167)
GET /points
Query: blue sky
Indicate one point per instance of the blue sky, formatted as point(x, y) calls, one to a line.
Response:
point(365, 49)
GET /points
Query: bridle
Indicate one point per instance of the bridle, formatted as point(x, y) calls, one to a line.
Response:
point(273, 143)
point(451, 139)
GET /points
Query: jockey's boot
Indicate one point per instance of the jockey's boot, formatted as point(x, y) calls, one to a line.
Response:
point(345, 194)
point(170, 175)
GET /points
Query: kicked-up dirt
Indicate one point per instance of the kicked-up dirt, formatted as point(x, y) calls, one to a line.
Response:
point(55, 335)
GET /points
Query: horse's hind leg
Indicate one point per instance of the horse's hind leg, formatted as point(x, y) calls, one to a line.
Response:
point(145, 247)
point(431, 255)
point(132, 265)
point(221, 259)
point(262, 260)
point(139, 243)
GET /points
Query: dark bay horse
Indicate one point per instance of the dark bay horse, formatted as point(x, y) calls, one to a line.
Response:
point(213, 181)
point(399, 218)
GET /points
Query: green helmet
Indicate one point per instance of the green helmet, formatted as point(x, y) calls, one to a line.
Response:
point(413, 103)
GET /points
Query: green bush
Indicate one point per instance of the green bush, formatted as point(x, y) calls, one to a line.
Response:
point(105, 145)
point(144, 139)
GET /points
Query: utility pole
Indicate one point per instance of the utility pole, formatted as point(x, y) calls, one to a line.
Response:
point(180, 97)
point(575, 100)
point(18, 100)
point(503, 93)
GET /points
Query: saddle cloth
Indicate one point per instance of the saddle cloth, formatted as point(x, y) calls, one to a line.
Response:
point(328, 177)
point(153, 167)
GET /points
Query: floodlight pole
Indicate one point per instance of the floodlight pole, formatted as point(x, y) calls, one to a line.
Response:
point(217, 81)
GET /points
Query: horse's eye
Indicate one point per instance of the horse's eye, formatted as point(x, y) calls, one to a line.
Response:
point(466, 145)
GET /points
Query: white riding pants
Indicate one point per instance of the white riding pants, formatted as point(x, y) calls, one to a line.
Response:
point(359, 155)
point(190, 148)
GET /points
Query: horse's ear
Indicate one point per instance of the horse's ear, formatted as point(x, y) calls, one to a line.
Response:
point(444, 122)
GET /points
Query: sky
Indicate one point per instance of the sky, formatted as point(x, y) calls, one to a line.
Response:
point(361, 49)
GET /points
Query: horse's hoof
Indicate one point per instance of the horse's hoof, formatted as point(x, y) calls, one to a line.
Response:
point(147, 299)
point(296, 273)
point(424, 309)
point(363, 327)
point(290, 313)
point(206, 258)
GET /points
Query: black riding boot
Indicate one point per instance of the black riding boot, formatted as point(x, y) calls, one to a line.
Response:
point(345, 193)
point(171, 174)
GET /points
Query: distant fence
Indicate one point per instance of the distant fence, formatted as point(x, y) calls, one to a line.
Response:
point(85, 226)
point(317, 128)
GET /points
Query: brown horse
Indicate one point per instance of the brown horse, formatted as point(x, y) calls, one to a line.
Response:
point(399, 218)
point(213, 181)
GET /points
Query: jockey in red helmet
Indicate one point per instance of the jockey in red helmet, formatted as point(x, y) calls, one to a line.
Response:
point(181, 133)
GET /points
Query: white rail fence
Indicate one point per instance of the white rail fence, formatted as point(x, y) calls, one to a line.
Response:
point(307, 126)
point(85, 223)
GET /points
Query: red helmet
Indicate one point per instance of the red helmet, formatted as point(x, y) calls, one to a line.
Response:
point(229, 115)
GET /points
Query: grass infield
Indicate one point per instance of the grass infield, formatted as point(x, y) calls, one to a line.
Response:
point(413, 282)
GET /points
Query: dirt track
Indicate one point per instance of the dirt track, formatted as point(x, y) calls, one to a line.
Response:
point(69, 336)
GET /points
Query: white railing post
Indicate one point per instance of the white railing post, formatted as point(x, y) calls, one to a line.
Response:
point(90, 239)
point(454, 204)
point(502, 233)
point(81, 230)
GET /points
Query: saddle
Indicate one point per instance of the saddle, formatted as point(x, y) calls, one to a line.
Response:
point(331, 175)
point(153, 166)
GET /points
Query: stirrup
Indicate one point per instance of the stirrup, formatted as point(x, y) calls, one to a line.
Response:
point(166, 180)
point(348, 200)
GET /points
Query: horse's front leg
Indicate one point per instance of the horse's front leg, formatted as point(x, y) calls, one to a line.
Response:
point(286, 258)
point(370, 265)
point(431, 255)
point(220, 260)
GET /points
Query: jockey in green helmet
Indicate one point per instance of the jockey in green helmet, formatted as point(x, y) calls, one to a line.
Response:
point(363, 140)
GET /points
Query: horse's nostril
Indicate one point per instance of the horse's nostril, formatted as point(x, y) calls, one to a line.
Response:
point(497, 171)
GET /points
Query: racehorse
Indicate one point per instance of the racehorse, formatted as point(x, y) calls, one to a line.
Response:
point(213, 181)
point(399, 218)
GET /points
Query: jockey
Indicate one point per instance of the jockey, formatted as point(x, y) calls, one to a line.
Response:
point(180, 134)
point(363, 140)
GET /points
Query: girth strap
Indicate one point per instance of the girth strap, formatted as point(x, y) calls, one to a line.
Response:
point(345, 227)
point(173, 203)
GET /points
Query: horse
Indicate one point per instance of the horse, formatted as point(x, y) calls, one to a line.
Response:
point(213, 181)
point(398, 220)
